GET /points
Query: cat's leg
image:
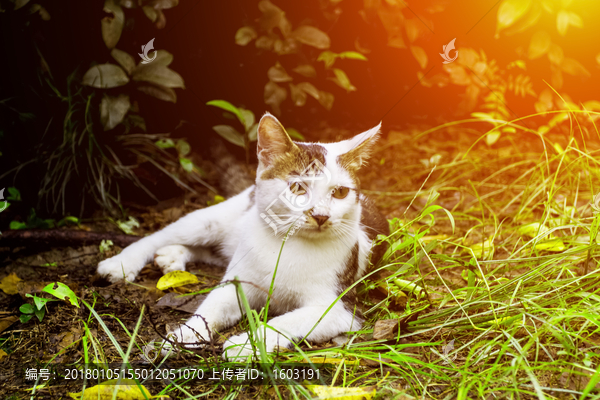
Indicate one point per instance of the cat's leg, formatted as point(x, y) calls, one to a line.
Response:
point(221, 309)
point(295, 325)
point(204, 227)
point(175, 257)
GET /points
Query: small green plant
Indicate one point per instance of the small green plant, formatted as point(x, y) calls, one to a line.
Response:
point(105, 246)
point(248, 121)
point(35, 222)
point(13, 194)
point(127, 226)
point(58, 290)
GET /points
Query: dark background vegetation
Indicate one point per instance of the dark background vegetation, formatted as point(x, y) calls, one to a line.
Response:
point(200, 35)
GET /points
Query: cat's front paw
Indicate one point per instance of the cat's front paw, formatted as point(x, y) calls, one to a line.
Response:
point(172, 258)
point(120, 267)
point(192, 334)
point(239, 349)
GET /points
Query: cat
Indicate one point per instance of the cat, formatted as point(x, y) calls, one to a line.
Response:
point(307, 198)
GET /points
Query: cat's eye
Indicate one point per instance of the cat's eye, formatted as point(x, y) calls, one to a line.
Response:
point(341, 192)
point(297, 189)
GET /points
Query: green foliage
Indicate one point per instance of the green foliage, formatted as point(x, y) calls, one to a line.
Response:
point(105, 246)
point(58, 290)
point(76, 153)
point(35, 222)
point(127, 226)
point(248, 122)
point(288, 46)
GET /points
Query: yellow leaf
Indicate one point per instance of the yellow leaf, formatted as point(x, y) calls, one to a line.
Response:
point(574, 67)
point(9, 284)
point(175, 279)
point(2, 354)
point(592, 105)
point(539, 45)
point(534, 229)
point(340, 393)
point(483, 250)
point(420, 55)
point(565, 18)
point(413, 29)
point(127, 390)
point(342, 80)
point(510, 11)
point(492, 137)
point(551, 245)
point(555, 54)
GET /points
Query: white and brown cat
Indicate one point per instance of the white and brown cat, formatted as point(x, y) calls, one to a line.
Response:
point(308, 189)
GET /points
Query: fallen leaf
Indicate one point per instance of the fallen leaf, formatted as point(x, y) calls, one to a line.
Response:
point(9, 284)
point(2, 354)
point(385, 329)
point(7, 321)
point(556, 245)
point(341, 393)
point(127, 390)
point(176, 279)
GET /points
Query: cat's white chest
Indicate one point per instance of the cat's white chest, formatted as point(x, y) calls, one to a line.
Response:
point(304, 269)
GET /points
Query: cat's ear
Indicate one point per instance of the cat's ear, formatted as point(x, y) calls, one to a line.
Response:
point(273, 140)
point(360, 147)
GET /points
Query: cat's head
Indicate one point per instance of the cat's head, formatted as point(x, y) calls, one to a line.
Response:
point(311, 189)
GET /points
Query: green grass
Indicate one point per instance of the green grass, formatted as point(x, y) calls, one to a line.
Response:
point(509, 272)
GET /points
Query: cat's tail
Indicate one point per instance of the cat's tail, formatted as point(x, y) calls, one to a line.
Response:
point(234, 175)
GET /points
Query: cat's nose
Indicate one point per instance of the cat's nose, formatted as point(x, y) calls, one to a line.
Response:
point(320, 219)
